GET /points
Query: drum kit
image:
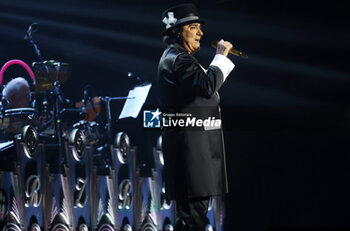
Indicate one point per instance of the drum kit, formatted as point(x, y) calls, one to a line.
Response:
point(85, 122)
point(54, 118)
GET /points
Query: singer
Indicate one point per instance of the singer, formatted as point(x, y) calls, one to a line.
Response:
point(195, 167)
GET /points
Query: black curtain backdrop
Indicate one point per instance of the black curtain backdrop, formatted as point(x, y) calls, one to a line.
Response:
point(285, 109)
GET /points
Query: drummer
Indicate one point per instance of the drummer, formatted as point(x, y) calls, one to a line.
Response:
point(17, 93)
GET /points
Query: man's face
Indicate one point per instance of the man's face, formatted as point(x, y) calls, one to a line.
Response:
point(21, 98)
point(191, 36)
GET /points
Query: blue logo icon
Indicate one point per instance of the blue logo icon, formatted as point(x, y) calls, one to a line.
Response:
point(151, 118)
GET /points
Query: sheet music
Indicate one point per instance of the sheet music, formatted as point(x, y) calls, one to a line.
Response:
point(137, 98)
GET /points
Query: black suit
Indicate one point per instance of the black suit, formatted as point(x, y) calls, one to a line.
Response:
point(194, 159)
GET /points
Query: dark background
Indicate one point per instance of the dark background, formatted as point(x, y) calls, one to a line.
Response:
point(285, 109)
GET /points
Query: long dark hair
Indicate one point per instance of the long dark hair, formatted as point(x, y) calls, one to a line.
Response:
point(173, 36)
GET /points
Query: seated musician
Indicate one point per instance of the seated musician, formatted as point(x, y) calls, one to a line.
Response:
point(16, 94)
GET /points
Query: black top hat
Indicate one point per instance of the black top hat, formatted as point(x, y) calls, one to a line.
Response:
point(180, 15)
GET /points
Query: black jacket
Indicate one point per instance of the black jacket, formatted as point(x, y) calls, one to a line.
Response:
point(194, 158)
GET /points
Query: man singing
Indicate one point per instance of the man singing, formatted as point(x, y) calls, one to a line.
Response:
point(195, 167)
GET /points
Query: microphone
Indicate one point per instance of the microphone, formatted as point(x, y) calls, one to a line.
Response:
point(32, 28)
point(232, 51)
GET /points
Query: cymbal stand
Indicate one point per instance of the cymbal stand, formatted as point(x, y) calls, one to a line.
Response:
point(56, 90)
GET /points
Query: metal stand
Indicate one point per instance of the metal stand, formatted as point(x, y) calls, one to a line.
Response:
point(58, 97)
point(108, 100)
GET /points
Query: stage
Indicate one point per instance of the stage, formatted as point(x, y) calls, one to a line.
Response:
point(285, 109)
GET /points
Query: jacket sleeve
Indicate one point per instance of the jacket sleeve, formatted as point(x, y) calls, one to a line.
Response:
point(194, 78)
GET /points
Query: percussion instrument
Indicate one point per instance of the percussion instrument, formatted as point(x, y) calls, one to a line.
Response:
point(19, 111)
point(58, 71)
point(15, 119)
point(93, 108)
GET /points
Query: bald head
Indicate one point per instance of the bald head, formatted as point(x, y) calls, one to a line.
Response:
point(17, 92)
